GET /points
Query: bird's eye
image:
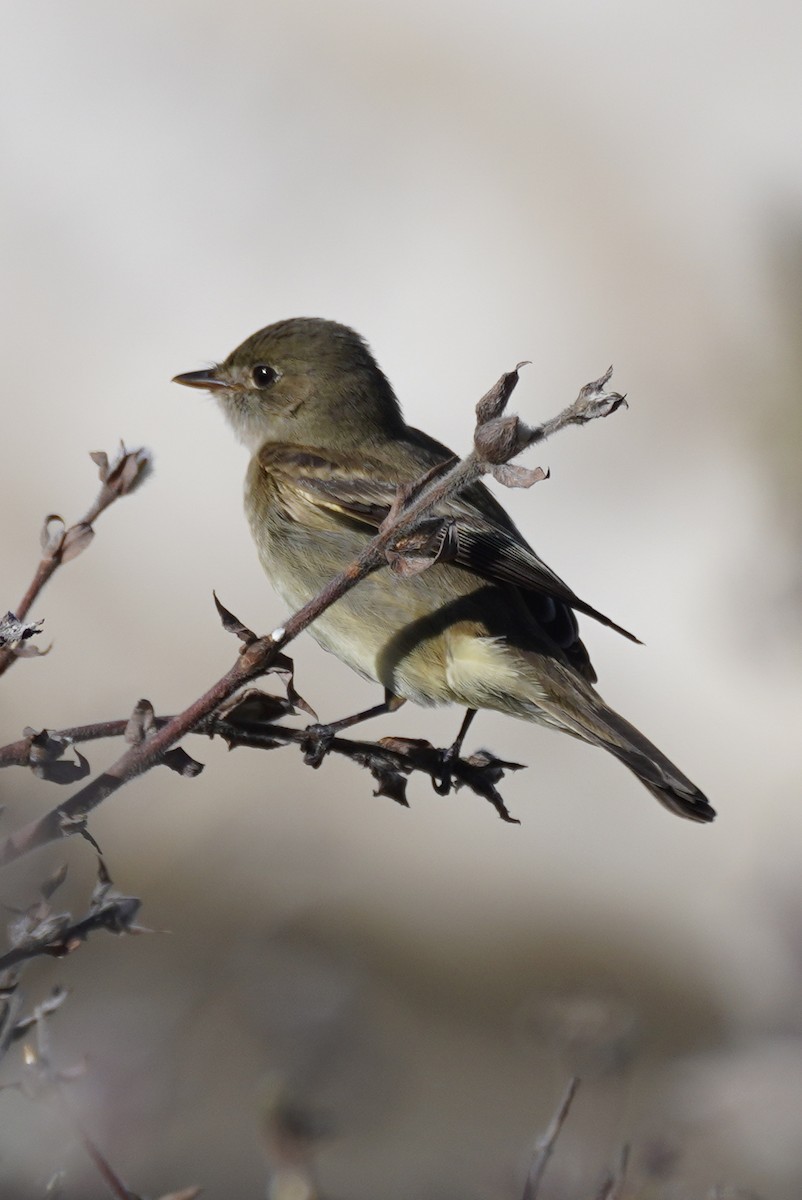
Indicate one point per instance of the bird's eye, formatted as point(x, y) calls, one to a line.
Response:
point(263, 375)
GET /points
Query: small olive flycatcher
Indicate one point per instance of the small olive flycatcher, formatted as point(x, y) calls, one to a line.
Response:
point(495, 628)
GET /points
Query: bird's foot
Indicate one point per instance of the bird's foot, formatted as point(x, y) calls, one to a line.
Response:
point(443, 779)
point(317, 743)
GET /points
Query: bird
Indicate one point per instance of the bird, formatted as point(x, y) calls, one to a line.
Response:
point(492, 628)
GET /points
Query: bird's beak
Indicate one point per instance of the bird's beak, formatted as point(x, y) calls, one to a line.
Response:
point(201, 379)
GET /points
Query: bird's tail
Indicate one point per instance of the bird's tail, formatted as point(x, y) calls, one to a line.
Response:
point(665, 781)
point(562, 698)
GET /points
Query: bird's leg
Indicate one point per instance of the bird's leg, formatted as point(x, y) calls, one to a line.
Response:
point(442, 782)
point(319, 737)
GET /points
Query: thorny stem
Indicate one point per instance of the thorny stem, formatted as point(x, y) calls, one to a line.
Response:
point(260, 655)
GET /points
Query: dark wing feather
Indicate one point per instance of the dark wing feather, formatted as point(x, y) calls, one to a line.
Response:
point(487, 542)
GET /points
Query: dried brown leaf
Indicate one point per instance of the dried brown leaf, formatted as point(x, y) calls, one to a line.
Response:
point(140, 723)
point(55, 881)
point(513, 476)
point(64, 771)
point(255, 707)
point(13, 630)
point(52, 533)
point(437, 540)
point(494, 401)
point(232, 624)
point(75, 541)
point(30, 651)
point(285, 667)
point(101, 460)
point(182, 763)
point(499, 439)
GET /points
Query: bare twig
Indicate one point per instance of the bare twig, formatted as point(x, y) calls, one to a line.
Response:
point(497, 439)
point(43, 1080)
point(390, 760)
point(545, 1144)
point(50, 744)
point(104, 1168)
point(41, 931)
point(614, 1180)
point(60, 544)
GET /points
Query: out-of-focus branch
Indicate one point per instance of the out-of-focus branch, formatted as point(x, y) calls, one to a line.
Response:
point(43, 1081)
point(60, 544)
point(41, 931)
point(544, 1147)
point(497, 439)
point(613, 1183)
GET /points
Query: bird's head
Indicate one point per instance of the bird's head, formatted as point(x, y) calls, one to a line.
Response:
point(305, 381)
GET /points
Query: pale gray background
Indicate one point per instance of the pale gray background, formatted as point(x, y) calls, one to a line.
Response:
point(467, 185)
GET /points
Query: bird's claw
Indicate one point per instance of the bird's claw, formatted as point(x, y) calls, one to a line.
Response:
point(443, 780)
point(317, 743)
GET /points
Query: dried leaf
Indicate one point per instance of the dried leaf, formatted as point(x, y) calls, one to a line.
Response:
point(485, 772)
point(75, 541)
point(104, 880)
point(128, 471)
point(406, 567)
point(232, 624)
point(64, 771)
point(44, 745)
point(595, 401)
point(391, 783)
point(285, 667)
point(499, 439)
point(101, 460)
point(108, 907)
point(494, 402)
point(55, 881)
point(30, 651)
point(404, 745)
point(51, 536)
point(39, 929)
point(70, 826)
point(255, 707)
point(179, 761)
point(513, 476)
point(53, 1002)
point(437, 540)
point(140, 723)
point(13, 630)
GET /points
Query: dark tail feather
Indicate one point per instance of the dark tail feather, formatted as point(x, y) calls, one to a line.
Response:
point(673, 789)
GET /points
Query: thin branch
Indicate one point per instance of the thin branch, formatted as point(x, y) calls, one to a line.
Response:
point(390, 760)
point(18, 754)
point(60, 544)
point(106, 1171)
point(40, 931)
point(614, 1180)
point(497, 439)
point(545, 1144)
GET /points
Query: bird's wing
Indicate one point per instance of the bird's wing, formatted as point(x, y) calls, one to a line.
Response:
point(483, 539)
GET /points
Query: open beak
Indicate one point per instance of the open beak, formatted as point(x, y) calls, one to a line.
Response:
point(201, 379)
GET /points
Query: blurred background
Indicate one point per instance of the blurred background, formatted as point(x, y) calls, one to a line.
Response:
point(403, 995)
